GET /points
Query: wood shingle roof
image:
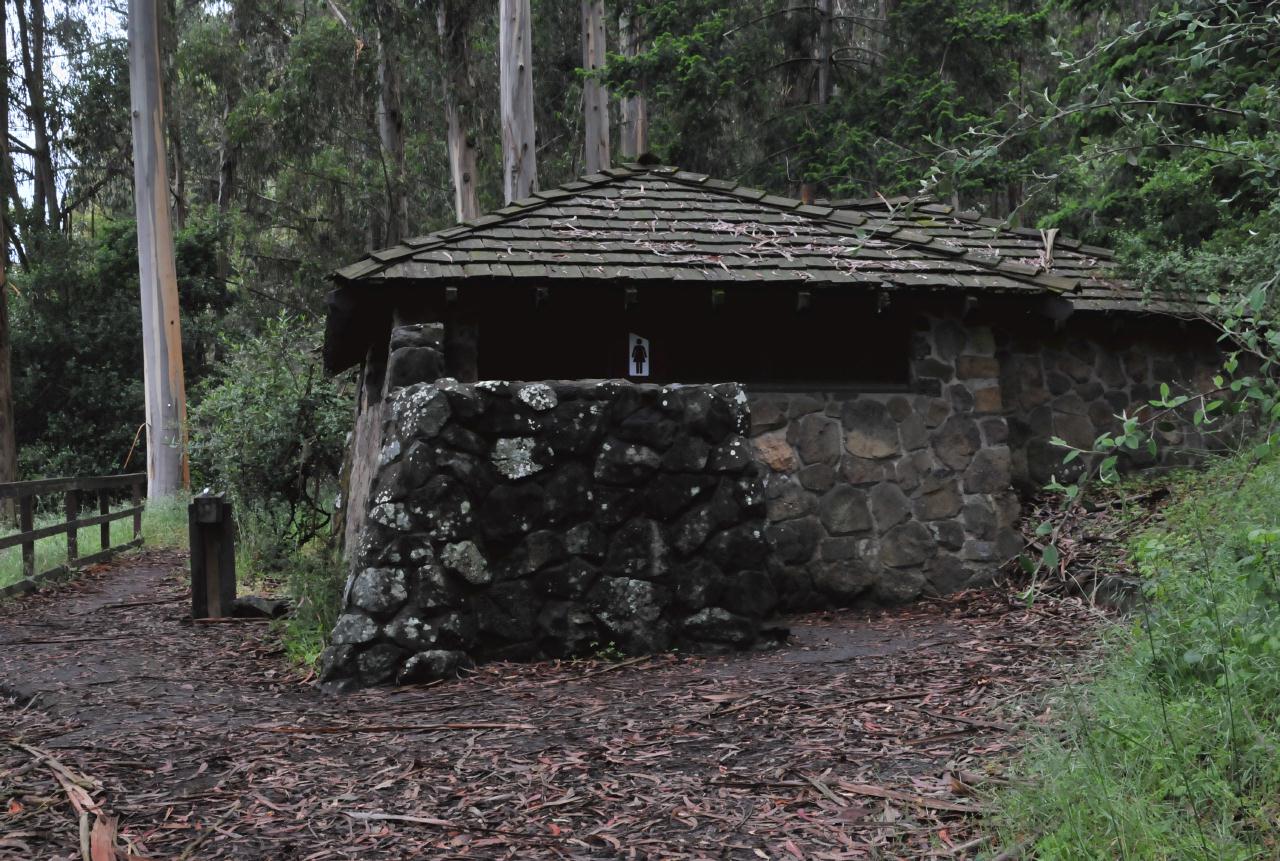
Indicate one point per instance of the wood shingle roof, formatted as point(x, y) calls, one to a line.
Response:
point(641, 223)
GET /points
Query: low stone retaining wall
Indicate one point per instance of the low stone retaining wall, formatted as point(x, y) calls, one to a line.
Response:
point(1073, 386)
point(518, 521)
point(883, 497)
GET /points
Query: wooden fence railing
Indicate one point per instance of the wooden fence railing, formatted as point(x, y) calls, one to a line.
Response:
point(74, 491)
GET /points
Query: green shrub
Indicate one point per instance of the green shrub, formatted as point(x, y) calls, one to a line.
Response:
point(314, 579)
point(269, 429)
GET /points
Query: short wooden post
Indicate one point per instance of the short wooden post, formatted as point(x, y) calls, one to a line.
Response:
point(104, 508)
point(73, 534)
point(27, 522)
point(137, 513)
point(213, 556)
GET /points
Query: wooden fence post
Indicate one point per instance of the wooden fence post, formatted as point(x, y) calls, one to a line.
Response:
point(26, 522)
point(104, 531)
point(73, 534)
point(137, 515)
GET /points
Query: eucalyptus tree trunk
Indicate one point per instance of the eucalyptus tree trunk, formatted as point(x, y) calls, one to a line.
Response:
point(391, 129)
point(633, 137)
point(228, 154)
point(595, 98)
point(168, 54)
point(824, 51)
point(31, 40)
point(166, 403)
point(452, 21)
point(8, 443)
point(519, 155)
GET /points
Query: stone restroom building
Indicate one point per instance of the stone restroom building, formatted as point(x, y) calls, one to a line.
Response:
point(903, 368)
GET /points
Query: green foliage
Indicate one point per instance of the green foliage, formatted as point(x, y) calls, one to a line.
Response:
point(732, 89)
point(313, 579)
point(1171, 753)
point(1165, 131)
point(77, 347)
point(269, 429)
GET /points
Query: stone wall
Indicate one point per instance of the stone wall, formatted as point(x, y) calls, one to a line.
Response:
point(888, 496)
point(1074, 382)
point(518, 521)
point(415, 353)
point(497, 520)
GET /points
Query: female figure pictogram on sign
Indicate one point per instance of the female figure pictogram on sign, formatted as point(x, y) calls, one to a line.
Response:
point(638, 356)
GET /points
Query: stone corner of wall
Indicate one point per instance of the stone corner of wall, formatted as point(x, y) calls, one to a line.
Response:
point(550, 519)
point(883, 497)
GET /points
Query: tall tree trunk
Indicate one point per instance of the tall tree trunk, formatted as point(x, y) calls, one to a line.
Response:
point(519, 155)
point(228, 154)
point(8, 442)
point(824, 52)
point(595, 98)
point(177, 170)
point(452, 21)
point(633, 137)
point(44, 186)
point(166, 402)
point(887, 10)
point(391, 130)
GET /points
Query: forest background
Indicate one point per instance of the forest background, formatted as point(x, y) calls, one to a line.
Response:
point(303, 133)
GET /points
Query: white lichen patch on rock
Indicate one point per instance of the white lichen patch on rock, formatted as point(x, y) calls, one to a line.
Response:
point(354, 628)
point(513, 456)
point(466, 560)
point(419, 410)
point(538, 396)
point(379, 590)
point(391, 515)
point(444, 522)
point(409, 629)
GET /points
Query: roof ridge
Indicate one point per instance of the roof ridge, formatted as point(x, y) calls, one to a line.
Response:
point(842, 216)
point(1019, 271)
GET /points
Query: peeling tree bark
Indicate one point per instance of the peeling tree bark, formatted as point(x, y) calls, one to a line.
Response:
point(452, 21)
point(166, 405)
point(31, 39)
point(168, 50)
point(8, 442)
point(595, 98)
point(391, 131)
point(228, 154)
point(519, 156)
point(824, 52)
point(633, 137)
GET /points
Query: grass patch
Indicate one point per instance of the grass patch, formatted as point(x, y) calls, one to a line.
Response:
point(1173, 751)
point(164, 524)
point(313, 580)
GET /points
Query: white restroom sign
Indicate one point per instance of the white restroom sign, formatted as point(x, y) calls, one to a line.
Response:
point(639, 356)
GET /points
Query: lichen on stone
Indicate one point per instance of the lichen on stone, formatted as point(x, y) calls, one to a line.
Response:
point(466, 560)
point(513, 457)
point(538, 396)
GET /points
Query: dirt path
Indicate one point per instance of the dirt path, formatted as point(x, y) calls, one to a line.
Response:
point(860, 740)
